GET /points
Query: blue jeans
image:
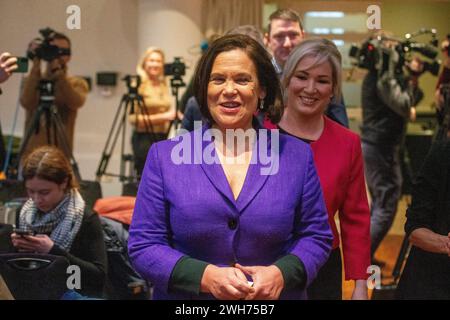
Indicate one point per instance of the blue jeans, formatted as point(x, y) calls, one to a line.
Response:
point(384, 180)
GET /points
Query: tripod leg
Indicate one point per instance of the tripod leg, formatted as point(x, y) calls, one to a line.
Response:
point(64, 142)
point(111, 140)
point(33, 129)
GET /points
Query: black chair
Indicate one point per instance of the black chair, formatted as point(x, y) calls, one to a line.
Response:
point(11, 189)
point(123, 283)
point(5, 238)
point(130, 189)
point(32, 276)
point(91, 191)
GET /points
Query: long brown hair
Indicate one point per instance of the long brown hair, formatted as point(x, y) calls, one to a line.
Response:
point(49, 163)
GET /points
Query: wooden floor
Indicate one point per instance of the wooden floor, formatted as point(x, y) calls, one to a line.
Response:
point(388, 251)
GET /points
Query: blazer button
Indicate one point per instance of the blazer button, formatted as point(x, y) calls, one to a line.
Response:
point(232, 223)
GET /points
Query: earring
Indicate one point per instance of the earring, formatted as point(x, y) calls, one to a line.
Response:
point(261, 104)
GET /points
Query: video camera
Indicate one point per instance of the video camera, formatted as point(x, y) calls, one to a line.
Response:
point(177, 68)
point(133, 82)
point(373, 54)
point(42, 49)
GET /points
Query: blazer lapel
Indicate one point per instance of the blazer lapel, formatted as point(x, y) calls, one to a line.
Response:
point(211, 165)
point(254, 180)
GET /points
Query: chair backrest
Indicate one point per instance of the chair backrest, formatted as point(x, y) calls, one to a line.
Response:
point(124, 283)
point(91, 191)
point(11, 189)
point(5, 238)
point(130, 189)
point(34, 276)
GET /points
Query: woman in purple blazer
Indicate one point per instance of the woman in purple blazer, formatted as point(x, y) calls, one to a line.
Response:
point(231, 210)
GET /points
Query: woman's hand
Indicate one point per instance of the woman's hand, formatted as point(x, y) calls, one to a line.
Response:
point(225, 283)
point(40, 243)
point(360, 290)
point(268, 282)
point(8, 64)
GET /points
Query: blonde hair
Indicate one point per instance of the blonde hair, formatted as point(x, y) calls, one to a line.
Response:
point(323, 50)
point(140, 69)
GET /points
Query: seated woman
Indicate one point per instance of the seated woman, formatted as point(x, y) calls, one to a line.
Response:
point(311, 79)
point(152, 122)
point(202, 229)
point(58, 216)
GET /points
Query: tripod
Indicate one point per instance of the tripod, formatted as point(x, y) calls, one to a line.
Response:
point(175, 83)
point(127, 105)
point(54, 127)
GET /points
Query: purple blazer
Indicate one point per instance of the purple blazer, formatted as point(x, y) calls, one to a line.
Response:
point(189, 210)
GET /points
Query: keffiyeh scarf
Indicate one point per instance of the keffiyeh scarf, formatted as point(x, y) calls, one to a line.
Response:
point(62, 223)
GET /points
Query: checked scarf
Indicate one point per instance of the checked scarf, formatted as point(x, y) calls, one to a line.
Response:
point(62, 223)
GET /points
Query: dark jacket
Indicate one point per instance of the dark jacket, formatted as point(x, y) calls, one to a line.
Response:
point(385, 107)
point(426, 274)
point(89, 253)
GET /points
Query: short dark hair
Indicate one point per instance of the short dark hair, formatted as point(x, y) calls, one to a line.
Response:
point(249, 30)
point(267, 76)
point(285, 14)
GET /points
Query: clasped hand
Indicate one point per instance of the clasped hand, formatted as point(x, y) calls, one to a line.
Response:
point(230, 283)
point(39, 243)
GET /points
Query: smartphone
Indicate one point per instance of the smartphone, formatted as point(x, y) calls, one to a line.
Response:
point(24, 232)
point(22, 65)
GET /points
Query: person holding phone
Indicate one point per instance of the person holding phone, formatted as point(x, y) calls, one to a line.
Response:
point(61, 222)
point(8, 64)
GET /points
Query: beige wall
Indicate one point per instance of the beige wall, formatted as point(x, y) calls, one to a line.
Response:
point(113, 34)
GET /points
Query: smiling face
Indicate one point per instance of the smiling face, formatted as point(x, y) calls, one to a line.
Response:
point(310, 88)
point(153, 65)
point(45, 194)
point(233, 90)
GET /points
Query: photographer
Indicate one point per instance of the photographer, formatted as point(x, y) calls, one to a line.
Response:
point(386, 101)
point(69, 92)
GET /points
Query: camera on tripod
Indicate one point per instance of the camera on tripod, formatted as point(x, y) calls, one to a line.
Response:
point(133, 82)
point(43, 49)
point(177, 68)
point(374, 54)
